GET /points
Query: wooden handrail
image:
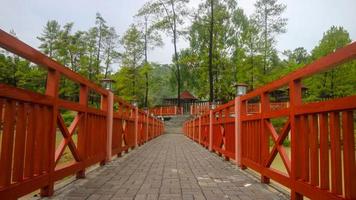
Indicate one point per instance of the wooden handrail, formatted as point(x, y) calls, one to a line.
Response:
point(322, 163)
point(30, 159)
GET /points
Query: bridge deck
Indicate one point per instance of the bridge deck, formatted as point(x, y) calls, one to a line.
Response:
point(169, 167)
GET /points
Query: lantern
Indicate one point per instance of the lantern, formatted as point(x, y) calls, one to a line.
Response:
point(107, 83)
point(241, 89)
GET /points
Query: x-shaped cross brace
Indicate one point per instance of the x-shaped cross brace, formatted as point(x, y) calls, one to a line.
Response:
point(67, 138)
point(278, 142)
point(223, 139)
point(124, 131)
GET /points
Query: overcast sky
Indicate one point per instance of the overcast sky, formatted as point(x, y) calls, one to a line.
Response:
point(307, 19)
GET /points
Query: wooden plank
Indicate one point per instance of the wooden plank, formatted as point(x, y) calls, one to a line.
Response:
point(295, 99)
point(7, 143)
point(52, 87)
point(304, 147)
point(2, 102)
point(276, 113)
point(349, 154)
point(29, 143)
point(46, 139)
point(67, 169)
point(314, 149)
point(339, 104)
point(73, 106)
point(19, 189)
point(324, 151)
point(313, 192)
point(278, 176)
point(11, 92)
point(38, 140)
point(336, 177)
point(20, 139)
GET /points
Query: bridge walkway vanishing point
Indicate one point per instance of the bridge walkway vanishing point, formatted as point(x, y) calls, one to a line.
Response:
point(169, 167)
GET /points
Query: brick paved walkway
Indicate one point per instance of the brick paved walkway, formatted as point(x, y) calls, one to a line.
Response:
point(169, 167)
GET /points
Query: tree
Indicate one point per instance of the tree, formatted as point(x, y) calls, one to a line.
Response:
point(91, 50)
point(168, 16)
point(268, 18)
point(151, 40)
point(132, 57)
point(49, 37)
point(212, 54)
point(101, 31)
point(337, 82)
point(252, 42)
point(110, 54)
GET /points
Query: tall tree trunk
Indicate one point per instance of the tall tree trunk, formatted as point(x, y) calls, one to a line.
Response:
point(332, 84)
point(211, 80)
point(146, 62)
point(98, 52)
point(175, 51)
point(265, 43)
point(252, 63)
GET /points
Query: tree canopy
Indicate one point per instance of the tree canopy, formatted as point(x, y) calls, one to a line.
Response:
point(225, 47)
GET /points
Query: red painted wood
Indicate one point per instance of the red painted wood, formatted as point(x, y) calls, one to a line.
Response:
point(314, 150)
point(7, 144)
point(349, 154)
point(336, 175)
point(28, 170)
point(324, 151)
point(30, 126)
point(304, 147)
point(20, 139)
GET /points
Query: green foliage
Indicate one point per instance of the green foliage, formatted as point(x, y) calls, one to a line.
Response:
point(337, 82)
point(68, 117)
point(168, 16)
point(243, 51)
point(20, 73)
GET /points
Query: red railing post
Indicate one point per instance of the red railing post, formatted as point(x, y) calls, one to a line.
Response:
point(83, 100)
point(238, 123)
point(199, 140)
point(52, 88)
point(136, 127)
point(147, 126)
point(107, 105)
point(265, 108)
point(210, 130)
point(295, 96)
point(193, 129)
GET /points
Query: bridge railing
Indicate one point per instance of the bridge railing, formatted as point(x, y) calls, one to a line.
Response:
point(201, 109)
point(31, 122)
point(321, 163)
point(166, 110)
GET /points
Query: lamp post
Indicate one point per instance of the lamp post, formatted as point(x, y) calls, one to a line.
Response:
point(107, 83)
point(241, 89)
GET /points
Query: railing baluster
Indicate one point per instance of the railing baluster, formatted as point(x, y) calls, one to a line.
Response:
point(349, 154)
point(7, 143)
point(324, 151)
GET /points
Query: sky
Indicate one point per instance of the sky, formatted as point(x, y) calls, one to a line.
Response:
point(307, 19)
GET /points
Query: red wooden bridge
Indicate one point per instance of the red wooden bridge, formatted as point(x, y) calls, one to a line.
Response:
point(321, 164)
